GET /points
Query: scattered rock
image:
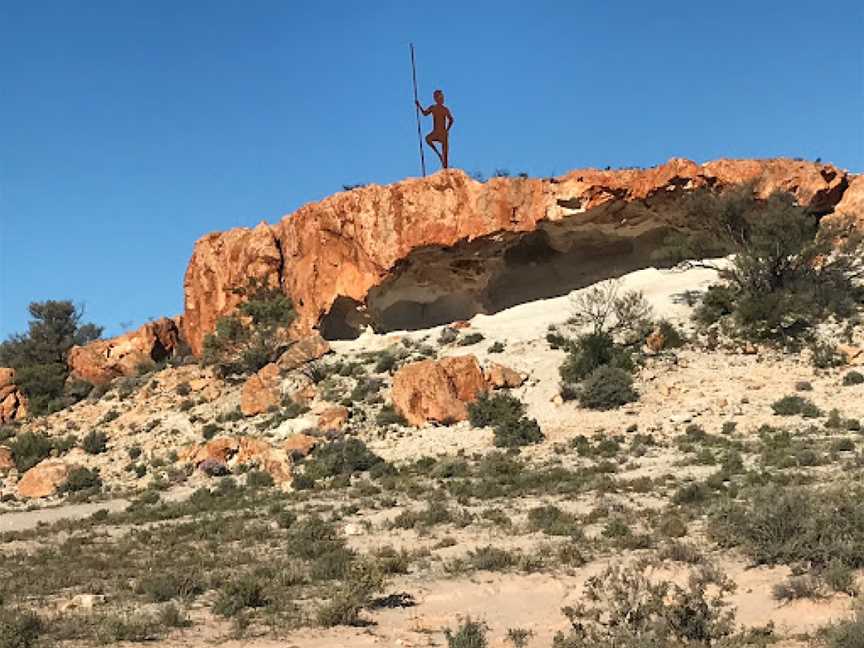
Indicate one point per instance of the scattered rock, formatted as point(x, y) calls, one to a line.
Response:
point(437, 390)
point(261, 391)
point(233, 451)
point(44, 479)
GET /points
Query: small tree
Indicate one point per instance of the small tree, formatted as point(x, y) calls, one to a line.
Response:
point(606, 309)
point(255, 334)
point(39, 356)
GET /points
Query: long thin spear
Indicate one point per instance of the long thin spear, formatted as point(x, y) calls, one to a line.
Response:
point(417, 111)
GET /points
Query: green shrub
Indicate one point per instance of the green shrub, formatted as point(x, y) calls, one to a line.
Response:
point(672, 337)
point(590, 352)
point(607, 388)
point(343, 457)
point(386, 361)
point(553, 521)
point(82, 479)
point(134, 452)
point(506, 415)
point(29, 448)
point(95, 442)
point(239, 594)
point(471, 338)
point(794, 406)
point(848, 633)
point(19, 628)
point(259, 479)
point(853, 378)
point(363, 580)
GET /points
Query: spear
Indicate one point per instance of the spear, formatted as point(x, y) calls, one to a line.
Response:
point(417, 111)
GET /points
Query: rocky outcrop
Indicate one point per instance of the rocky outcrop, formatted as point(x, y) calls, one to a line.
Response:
point(437, 390)
point(44, 479)
point(13, 402)
point(304, 350)
point(261, 391)
point(231, 451)
point(102, 361)
point(429, 251)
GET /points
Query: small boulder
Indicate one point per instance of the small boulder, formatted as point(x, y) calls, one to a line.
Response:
point(13, 402)
point(261, 391)
point(44, 479)
point(437, 390)
point(7, 463)
point(333, 418)
point(502, 377)
point(300, 445)
point(302, 351)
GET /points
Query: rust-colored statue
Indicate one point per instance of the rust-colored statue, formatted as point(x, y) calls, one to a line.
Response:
point(442, 120)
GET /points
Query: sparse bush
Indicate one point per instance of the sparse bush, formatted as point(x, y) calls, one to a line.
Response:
point(607, 388)
point(604, 310)
point(95, 442)
point(134, 452)
point(798, 587)
point(19, 628)
point(471, 338)
point(825, 355)
point(496, 347)
point(469, 634)
point(209, 431)
point(625, 608)
point(239, 594)
point(364, 579)
point(386, 361)
point(553, 521)
point(448, 335)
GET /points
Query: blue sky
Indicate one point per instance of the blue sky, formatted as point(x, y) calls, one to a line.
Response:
point(129, 129)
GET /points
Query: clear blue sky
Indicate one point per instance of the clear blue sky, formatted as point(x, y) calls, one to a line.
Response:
point(128, 129)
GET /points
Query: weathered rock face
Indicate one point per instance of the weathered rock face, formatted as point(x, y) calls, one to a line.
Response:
point(103, 360)
point(428, 251)
point(437, 390)
point(44, 479)
point(261, 391)
point(13, 402)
